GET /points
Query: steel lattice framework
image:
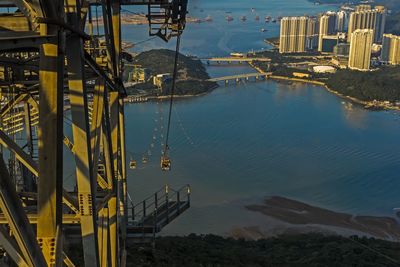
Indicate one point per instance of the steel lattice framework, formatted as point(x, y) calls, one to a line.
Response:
point(53, 71)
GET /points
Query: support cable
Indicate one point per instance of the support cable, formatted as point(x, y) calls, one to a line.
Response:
point(178, 41)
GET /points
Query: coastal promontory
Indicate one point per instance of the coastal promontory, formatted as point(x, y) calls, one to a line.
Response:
point(156, 72)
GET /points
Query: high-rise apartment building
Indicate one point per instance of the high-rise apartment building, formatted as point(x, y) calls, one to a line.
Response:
point(363, 7)
point(340, 21)
point(327, 26)
point(373, 19)
point(380, 23)
point(391, 49)
point(312, 34)
point(294, 33)
point(360, 49)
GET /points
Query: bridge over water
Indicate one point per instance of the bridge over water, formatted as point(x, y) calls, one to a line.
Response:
point(229, 60)
point(239, 77)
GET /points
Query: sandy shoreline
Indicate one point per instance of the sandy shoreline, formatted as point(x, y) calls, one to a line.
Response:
point(297, 217)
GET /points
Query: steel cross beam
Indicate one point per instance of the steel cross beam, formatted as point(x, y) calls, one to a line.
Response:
point(17, 220)
point(11, 248)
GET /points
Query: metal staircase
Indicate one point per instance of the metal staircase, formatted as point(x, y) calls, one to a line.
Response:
point(150, 216)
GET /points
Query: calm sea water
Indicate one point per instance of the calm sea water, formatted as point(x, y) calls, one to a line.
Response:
point(243, 142)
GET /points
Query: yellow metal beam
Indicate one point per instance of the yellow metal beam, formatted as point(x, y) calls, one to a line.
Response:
point(50, 136)
point(81, 137)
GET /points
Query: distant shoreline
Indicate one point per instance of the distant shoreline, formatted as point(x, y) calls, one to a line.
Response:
point(138, 19)
point(352, 99)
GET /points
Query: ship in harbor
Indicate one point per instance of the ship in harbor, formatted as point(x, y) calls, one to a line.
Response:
point(229, 18)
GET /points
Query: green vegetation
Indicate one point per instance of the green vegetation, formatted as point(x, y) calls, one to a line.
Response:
point(382, 85)
point(306, 250)
point(162, 61)
point(302, 250)
point(192, 75)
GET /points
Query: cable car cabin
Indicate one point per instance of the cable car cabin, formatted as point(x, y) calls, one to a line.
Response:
point(165, 164)
point(132, 164)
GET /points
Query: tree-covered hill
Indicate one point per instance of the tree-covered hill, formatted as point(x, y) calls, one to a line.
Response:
point(192, 75)
point(382, 85)
point(162, 61)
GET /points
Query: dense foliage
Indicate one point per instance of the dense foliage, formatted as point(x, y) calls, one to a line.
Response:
point(192, 75)
point(162, 61)
point(376, 85)
point(302, 250)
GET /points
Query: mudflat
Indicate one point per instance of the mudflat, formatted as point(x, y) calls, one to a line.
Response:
point(296, 213)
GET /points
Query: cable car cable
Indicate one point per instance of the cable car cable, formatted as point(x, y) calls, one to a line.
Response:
point(178, 41)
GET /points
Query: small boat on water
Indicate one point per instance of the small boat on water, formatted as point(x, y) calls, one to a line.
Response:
point(264, 30)
point(253, 10)
point(243, 18)
point(229, 18)
point(208, 19)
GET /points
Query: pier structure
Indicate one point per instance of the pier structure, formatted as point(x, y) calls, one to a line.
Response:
point(61, 92)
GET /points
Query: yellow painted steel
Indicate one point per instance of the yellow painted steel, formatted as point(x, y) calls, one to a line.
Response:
point(50, 157)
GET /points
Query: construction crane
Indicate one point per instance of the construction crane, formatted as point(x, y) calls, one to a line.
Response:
point(54, 71)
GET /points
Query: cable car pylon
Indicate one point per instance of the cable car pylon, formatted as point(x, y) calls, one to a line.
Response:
point(62, 88)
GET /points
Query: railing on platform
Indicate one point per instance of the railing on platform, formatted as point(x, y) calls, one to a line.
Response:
point(153, 213)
